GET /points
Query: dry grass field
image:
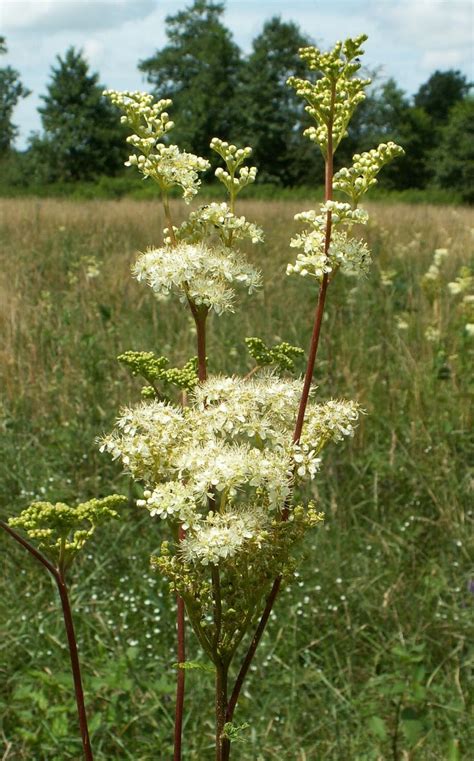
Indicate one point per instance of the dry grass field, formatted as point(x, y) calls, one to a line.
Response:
point(369, 656)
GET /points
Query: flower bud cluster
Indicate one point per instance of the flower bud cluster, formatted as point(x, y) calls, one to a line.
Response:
point(203, 275)
point(62, 530)
point(154, 369)
point(333, 97)
point(234, 158)
point(362, 175)
point(165, 164)
point(148, 120)
point(282, 355)
point(215, 218)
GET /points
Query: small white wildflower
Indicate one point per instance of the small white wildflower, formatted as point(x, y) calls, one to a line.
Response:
point(432, 334)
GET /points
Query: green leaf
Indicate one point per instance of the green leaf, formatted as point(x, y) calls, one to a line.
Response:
point(377, 727)
point(234, 732)
point(413, 729)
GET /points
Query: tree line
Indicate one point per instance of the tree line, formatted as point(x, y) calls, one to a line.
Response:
point(219, 91)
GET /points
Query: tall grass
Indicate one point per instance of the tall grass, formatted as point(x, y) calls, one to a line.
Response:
point(369, 656)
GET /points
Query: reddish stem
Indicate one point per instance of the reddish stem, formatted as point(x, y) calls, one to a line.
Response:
point(58, 576)
point(75, 666)
point(313, 349)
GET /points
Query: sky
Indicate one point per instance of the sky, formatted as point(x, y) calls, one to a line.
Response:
point(408, 39)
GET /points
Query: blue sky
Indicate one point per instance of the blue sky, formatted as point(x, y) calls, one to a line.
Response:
point(408, 39)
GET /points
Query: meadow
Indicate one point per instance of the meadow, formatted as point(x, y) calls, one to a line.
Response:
point(369, 656)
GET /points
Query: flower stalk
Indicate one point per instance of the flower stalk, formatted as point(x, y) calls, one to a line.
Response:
point(58, 575)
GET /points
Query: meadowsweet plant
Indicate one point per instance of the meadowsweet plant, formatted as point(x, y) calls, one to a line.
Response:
point(224, 467)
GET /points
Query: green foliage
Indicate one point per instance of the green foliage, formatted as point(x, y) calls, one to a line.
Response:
point(269, 110)
point(281, 355)
point(11, 91)
point(154, 370)
point(442, 91)
point(452, 162)
point(82, 137)
point(198, 69)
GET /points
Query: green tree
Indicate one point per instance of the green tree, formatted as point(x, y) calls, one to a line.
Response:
point(11, 90)
point(440, 93)
point(81, 137)
point(198, 69)
point(271, 114)
point(387, 114)
point(453, 160)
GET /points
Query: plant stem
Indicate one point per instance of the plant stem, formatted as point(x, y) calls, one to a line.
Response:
point(58, 575)
point(252, 649)
point(169, 221)
point(200, 318)
point(313, 349)
point(75, 666)
point(181, 675)
point(216, 591)
point(31, 549)
point(180, 610)
point(222, 743)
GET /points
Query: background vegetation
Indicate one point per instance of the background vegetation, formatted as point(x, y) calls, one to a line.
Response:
point(218, 90)
point(370, 650)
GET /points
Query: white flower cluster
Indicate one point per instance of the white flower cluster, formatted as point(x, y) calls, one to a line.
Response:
point(349, 254)
point(215, 218)
point(234, 158)
point(362, 175)
point(433, 273)
point(333, 97)
point(464, 286)
point(204, 275)
point(221, 536)
point(463, 283)
point(169, 166)
point(229, 451)
point(166, 164)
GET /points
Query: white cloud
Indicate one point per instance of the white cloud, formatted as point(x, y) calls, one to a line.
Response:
point(427, 24)
point(51, 16)
point(442, 59)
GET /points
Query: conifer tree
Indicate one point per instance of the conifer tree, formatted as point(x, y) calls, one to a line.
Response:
point(82, 138)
